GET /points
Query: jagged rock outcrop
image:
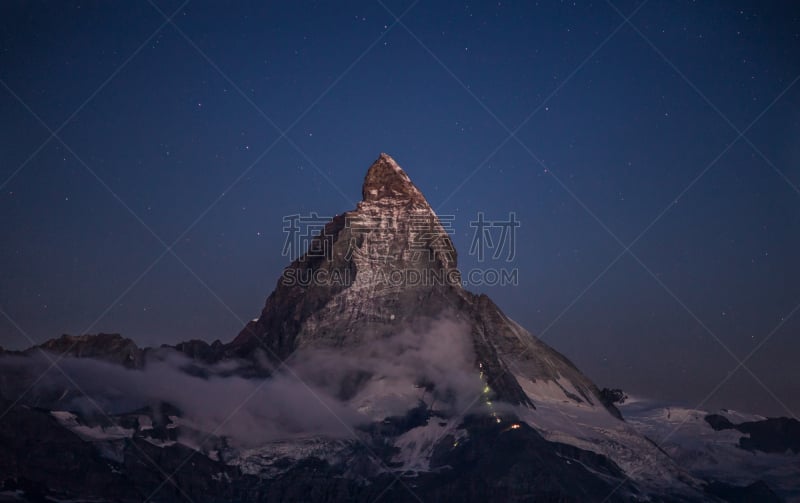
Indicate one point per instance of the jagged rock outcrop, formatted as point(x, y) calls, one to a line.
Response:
point(777, 435)
point(107, 347)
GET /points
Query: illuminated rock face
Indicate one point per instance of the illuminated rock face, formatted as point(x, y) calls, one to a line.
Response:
point(388, 266)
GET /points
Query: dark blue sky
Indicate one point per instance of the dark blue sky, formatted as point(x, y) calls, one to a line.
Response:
point(619, 129)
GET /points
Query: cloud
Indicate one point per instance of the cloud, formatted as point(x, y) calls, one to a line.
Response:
point(435, 363)
point(321, 391)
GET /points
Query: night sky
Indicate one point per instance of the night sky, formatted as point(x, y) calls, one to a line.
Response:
point(678, 132)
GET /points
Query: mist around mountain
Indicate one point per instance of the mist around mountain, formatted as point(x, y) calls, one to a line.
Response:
point(371, 374)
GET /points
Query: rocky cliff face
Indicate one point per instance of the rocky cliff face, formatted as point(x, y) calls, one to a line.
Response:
point(387, 265)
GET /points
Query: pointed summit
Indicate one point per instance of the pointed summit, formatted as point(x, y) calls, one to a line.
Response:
point(390, 265)
point(386, 180)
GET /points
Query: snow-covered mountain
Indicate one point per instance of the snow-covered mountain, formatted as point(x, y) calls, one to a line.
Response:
point(370, 374)
point(694, 440)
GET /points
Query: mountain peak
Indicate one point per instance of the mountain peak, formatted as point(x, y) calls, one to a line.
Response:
point(386, 180)
point(391, 266)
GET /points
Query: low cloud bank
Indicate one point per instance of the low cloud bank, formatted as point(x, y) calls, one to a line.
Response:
point(321, 391)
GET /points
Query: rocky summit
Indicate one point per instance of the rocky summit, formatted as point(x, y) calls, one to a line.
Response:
point(370, 374)
point(387, 265)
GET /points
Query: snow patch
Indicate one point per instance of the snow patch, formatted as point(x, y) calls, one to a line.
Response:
point(416, 445)
point(90, 433)
point(560, 418)
point(275, 458)
point(158, 442)
point(687, 437)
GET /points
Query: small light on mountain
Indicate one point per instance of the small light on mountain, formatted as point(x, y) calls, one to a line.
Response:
point(515, 426)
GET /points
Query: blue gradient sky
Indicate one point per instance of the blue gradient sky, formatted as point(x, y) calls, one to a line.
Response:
point(619, 129)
